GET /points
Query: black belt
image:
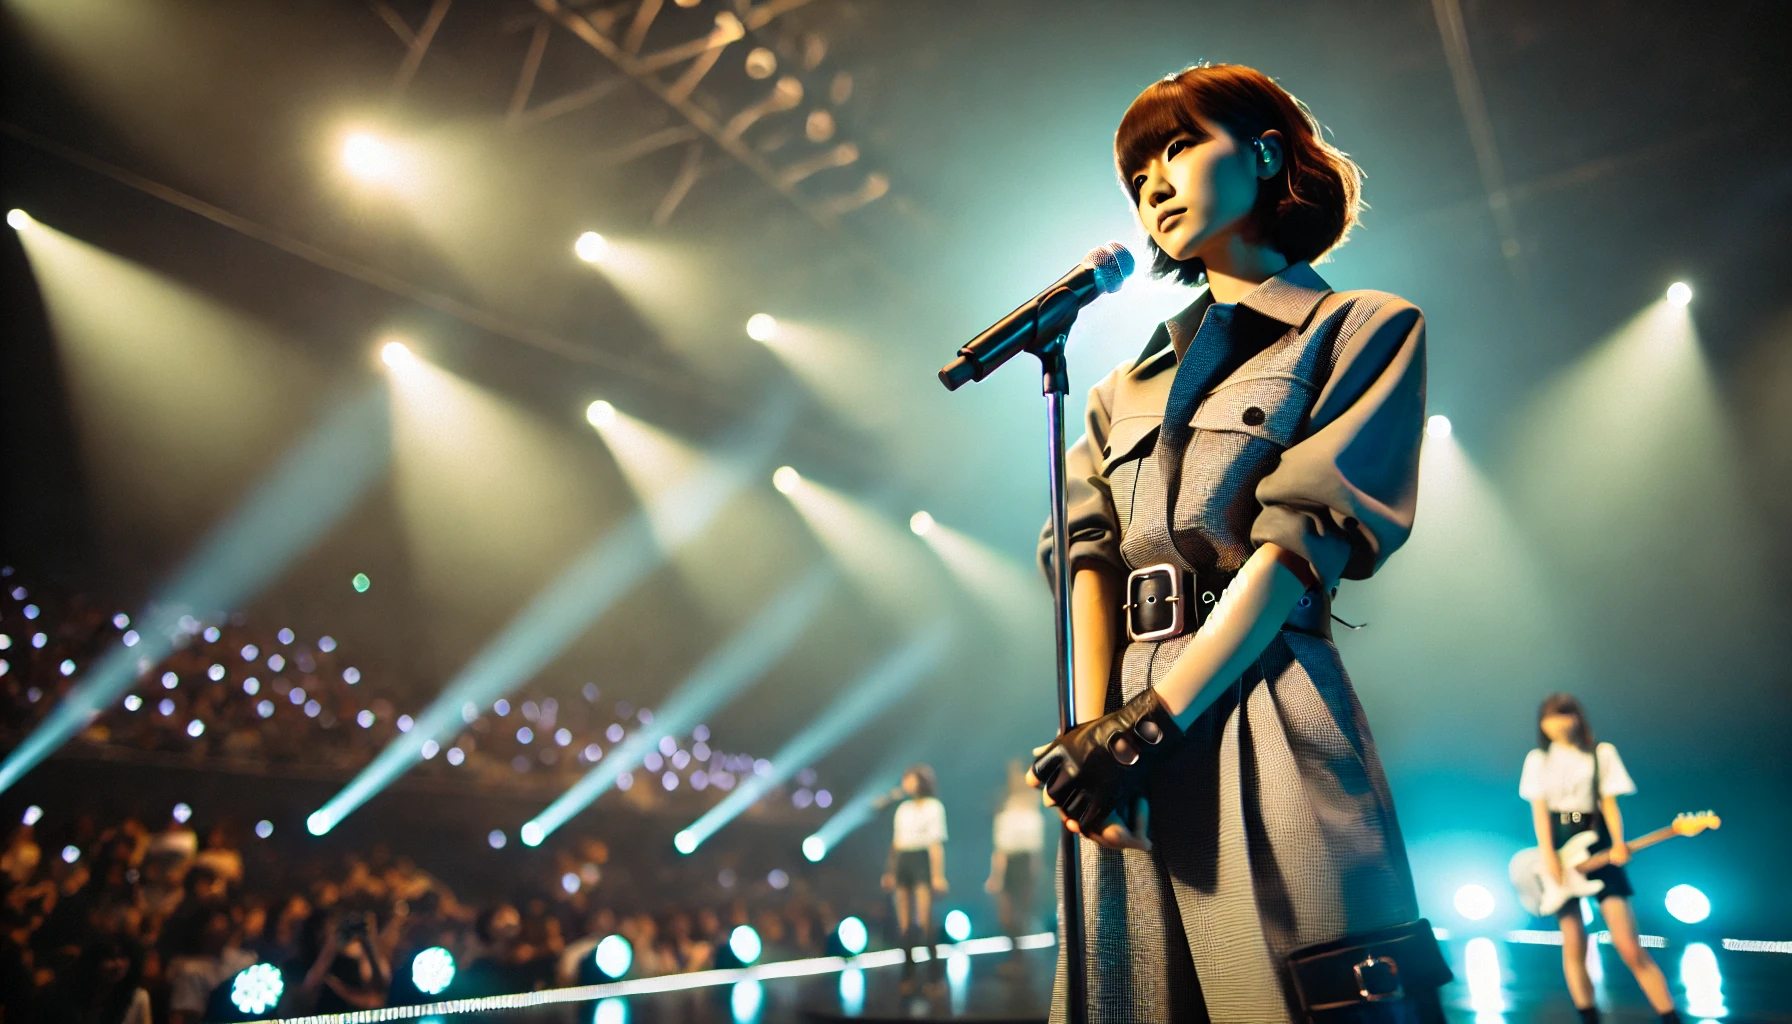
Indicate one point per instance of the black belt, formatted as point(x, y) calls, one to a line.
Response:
point(1578, 817)
point(1166, 600)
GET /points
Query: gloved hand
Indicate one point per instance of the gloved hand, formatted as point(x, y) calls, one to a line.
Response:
point(1103, 765)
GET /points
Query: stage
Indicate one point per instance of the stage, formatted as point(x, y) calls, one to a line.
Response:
point(1522, 984)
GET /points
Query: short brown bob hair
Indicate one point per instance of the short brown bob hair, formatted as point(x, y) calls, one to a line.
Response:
point(1304, 212)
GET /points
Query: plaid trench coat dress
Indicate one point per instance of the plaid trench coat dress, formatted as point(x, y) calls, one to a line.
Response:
point(1294, 416)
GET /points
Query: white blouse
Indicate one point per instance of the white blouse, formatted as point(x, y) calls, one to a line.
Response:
point(1562, 777)
point(1020, 828)
point(920, 823)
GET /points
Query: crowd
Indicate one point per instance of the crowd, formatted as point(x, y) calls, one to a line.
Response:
point(119, 923)
point(234, 691)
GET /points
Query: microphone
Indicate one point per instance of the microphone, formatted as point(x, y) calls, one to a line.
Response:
point(1041, 319)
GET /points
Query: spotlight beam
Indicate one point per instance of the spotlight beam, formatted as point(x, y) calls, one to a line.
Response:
point(558, 614)
point(733, 667)
point(312, 488)
point(860, 702)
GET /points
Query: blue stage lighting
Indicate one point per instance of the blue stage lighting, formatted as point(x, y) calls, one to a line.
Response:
point(614, 956)
point(859, 702)
point(747, 656)
point(307, 493)
point(432, 971)
point(1474, 901)
point(256, 989)
point(744, 943)
point(1687, 904)
point(746, 1000)
point(852, 991)
point(958, 926)
point(854, 936)
point(610, 1011)
point(815, 848)
point(590, 584)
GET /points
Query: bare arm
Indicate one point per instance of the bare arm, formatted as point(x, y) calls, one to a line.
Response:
point(1246, 619)
point(1614, 826)
point(998, 866)
point(1095, 601)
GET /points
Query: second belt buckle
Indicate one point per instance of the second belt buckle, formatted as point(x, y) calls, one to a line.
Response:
point(1155, 608)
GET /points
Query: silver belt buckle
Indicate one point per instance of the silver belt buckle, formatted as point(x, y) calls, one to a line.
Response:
point(1178, 606)
point(1362, 985)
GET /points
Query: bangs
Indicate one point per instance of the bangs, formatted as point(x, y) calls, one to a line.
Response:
point(1162, 112)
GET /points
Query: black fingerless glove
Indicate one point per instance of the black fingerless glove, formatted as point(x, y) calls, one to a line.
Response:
point(1101, 766)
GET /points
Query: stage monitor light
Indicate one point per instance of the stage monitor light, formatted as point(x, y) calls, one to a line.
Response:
point(815, 848)
point(1679, 293)
point(397, 355)
point(17, 219)
point(786, 480)
point(1687, 904)
point(361, 582)
point(1474, 901)
point(746, 999)
point(432, 970)
point(257, 989)
point(958, 925)
point(614, 956)
point(264, 828)
point(368, 157)
point(685, 841)
point(319, 822)
point(854, 936)
point(496, 838)
point(921, 523)
point(33, 815)
point(1438, 426)
point(600, 414)
point(591, 247)
point(744, 943)
point(532, 834)
point(762, 327)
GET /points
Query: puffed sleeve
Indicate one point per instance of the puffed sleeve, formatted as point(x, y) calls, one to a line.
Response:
point(1614, 780)
point(1088, 503)
point(1343, 497)
point(1530, 781)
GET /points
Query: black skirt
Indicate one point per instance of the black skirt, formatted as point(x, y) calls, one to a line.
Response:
point(1017, 877)
point(914, 869)
point(1565, 825)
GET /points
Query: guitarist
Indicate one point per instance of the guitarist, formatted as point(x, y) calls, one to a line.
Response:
point(1560, 780)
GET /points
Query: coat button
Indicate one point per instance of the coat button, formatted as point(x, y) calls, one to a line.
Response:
point(1253, 417)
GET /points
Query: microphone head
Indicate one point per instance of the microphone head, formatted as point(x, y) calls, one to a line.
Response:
point(1112, 264)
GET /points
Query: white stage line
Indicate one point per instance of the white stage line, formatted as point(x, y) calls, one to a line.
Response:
point(676, 982)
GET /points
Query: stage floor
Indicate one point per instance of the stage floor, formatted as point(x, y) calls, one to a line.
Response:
point(1497, 982)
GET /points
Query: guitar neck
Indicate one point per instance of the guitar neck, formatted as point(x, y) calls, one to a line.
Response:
point(1602, 858)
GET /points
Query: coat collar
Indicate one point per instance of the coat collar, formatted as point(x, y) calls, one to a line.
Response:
point(1287, 298)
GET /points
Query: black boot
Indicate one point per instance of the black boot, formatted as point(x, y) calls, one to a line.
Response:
point(1588, 1014)
point(1671, 1017)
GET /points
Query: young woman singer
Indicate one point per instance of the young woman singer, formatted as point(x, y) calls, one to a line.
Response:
point(1264, 446)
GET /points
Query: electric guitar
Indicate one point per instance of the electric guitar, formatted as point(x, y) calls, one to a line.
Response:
point(1543, 895)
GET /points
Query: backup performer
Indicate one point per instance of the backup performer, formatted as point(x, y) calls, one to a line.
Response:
point(1573, 784)
point(917, 867)
point(1263, 447)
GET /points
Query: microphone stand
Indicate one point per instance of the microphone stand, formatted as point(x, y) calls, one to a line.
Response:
point(1055, 384)
point(1058, 309)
